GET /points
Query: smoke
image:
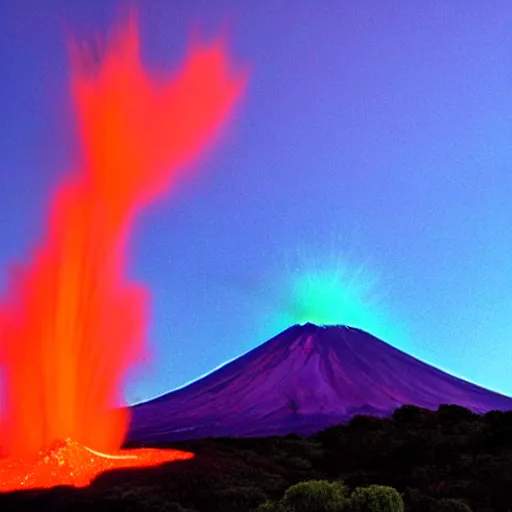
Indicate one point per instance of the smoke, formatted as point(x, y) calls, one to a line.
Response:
point(71, 322)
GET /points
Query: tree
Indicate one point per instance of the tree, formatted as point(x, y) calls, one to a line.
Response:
point(316, 496)
point(376, 498)
point(453, 414)
point(410, 415)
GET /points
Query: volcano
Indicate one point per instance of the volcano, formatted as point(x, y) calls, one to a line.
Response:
point(303, 380)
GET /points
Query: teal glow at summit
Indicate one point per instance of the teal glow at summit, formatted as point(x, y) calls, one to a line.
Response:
point(338, 294)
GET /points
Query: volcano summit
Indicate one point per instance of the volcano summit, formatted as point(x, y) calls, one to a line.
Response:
point(301, 381)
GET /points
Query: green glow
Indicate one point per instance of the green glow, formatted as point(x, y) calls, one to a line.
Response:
point(337, 294)
point(329, 298)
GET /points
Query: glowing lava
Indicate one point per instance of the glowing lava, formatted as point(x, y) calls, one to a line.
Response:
point(68, 463)
point(72, 323)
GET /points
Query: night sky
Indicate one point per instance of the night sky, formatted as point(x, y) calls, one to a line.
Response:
point(364, 179)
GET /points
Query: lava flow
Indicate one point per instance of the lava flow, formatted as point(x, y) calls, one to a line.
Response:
point(71, 323)
point(69, 463)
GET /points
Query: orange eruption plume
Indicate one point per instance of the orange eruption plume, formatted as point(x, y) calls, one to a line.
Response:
point(72, 323)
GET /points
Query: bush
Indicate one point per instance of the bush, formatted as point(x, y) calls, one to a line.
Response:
point(376, 498)
point(272, 506)
point(315, 496)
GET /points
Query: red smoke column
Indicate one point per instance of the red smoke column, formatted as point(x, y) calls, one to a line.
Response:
point(71, 323)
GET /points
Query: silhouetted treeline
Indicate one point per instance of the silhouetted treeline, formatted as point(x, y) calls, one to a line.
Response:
point(450, 460)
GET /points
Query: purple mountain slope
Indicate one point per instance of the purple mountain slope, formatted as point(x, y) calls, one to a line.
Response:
point(301, 381)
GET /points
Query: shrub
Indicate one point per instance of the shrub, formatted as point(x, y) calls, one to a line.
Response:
point(316, 496)
point(272, 506)
point(376, 498)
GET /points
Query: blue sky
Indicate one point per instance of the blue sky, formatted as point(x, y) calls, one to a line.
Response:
point(372, 134)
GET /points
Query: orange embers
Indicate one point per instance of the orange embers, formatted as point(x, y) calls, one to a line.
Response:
point(68, 463)
point(72, 323)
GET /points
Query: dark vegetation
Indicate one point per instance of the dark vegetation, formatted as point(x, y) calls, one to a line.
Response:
point(446, 461)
